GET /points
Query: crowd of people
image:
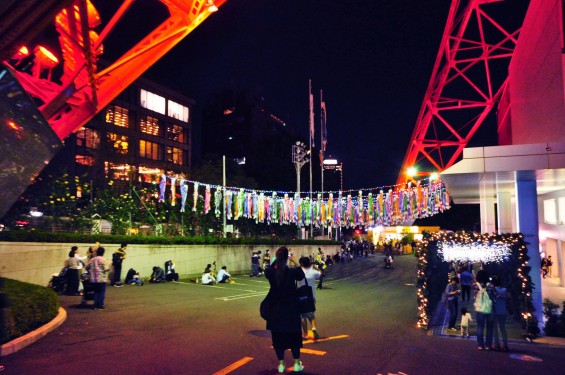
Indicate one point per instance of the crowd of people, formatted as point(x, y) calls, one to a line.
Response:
point(89, 275)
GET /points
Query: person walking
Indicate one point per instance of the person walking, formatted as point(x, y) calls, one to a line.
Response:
point(452, 291)
point(466, 284)
point(465, 320)
point(319, 262)
point(311, 273)
point(98, 277)
point(485, 319)
point(117, 260)
point(500, 314)
point(285, 322)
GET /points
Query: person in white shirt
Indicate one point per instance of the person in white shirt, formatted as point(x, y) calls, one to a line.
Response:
point(207, 278)
point(223, 276)
point(311, 273)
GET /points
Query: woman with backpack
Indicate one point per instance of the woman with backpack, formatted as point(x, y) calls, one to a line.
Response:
point(484, 309)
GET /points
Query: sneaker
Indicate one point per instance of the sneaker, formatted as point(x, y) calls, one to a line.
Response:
point(281, 368)
point(480, 348)
point(316, 335)
point(298, 367)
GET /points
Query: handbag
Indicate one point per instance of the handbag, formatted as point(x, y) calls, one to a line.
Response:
point(305, 298)
point(268, 308)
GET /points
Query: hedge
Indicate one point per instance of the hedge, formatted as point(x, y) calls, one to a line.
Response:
point(29, 307)
point(35, 236)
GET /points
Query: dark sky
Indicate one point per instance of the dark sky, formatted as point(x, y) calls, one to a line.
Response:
point(372, 58)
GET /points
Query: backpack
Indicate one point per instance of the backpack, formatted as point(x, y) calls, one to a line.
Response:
point(483, 303)
point(117, 258)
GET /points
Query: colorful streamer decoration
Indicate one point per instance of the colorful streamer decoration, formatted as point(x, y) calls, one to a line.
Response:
point(367, 208)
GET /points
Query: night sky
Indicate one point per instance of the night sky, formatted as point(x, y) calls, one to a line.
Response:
point(372, 58)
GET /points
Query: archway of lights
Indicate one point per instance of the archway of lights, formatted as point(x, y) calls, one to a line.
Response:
point(504, 255)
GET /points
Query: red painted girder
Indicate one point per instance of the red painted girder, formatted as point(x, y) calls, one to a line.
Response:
point(461, 92)
point(84, 90)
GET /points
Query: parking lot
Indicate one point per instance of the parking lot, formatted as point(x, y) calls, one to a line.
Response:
point(366, 317)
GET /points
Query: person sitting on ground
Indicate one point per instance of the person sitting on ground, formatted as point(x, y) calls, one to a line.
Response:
point(224, 276)
point(158, 275)
point(171, 274)
point(133, 278)
point(207, 278)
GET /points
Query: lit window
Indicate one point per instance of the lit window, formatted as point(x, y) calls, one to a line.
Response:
point(175, 155)
point(84, 160)
point(148, 174)
point(175, 133)
point(118, 116)
point(150, 125)
point(152, 101)
point(549, 211)
point(117, 171)
point(88, 138)
point(149, 150)
point(177, 111)
point(118, 143)
point(561, 203)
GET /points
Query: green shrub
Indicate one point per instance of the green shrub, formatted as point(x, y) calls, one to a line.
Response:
point(554, 321)
point(35, 236)
point(30, 306)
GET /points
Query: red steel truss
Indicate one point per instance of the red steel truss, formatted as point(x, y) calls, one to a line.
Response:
point(465, 85)
point(70, 101)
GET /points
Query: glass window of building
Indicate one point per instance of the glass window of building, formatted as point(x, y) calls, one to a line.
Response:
point(88, 138)
point(118, 143)
point(117, 115)
point(561, 203)
point(84, 160)
point(178, 111)
point(150, 150)
point(549, 211)
point(175, 155)
point(148, 174)
point(149, 125)
point(152, 101)
point(175, 133)
point(117, 171)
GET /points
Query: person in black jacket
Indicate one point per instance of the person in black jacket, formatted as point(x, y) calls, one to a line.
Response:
point(285, 324)
point(117, 260)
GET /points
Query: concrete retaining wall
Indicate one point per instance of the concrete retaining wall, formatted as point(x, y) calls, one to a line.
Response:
point(35, 262)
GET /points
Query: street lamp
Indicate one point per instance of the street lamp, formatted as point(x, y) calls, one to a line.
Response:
point(333, 164)
point(300, 156)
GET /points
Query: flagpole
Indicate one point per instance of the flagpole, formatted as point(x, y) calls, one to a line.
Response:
point(322, 155)
point(311, 123)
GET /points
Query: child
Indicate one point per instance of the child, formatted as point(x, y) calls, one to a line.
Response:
point(465, 319)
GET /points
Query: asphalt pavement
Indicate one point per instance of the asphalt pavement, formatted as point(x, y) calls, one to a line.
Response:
point(366, 316)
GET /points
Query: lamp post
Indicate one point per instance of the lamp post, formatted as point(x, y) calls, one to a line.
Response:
point(300, 156)
point(333, 164)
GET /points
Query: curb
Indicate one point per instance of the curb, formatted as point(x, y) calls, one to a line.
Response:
point(31, 337)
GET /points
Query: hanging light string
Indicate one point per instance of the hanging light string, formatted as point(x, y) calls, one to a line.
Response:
point(339, 209)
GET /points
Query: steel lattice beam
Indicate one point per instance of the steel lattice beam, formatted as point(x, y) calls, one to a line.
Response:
point(83, 90)
point(465, 85)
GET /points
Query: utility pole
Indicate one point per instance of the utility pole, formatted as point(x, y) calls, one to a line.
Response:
point(224, 194)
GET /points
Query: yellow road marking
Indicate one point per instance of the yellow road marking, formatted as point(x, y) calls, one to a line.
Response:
point(310, 351)
point(233, 366)
point(325, 339)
